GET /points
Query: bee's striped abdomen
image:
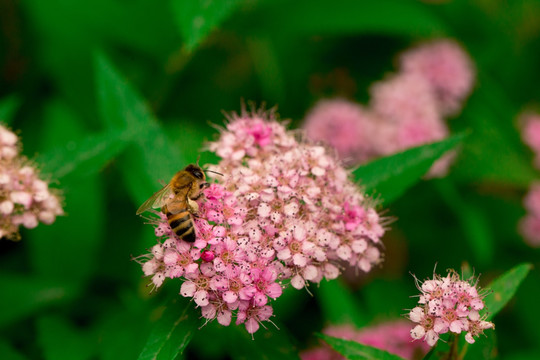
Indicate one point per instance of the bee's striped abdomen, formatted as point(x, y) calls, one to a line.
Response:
point(182, 225)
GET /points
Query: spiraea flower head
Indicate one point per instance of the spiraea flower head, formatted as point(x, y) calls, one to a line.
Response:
point(447, 68)
point(284, 213)
point(406, 99)
point(407, 116)
point(344, 125)
point(25, 199)
point(392, 336)
point(448, 304)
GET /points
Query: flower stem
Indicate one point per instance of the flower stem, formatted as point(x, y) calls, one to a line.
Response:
point(453, 353)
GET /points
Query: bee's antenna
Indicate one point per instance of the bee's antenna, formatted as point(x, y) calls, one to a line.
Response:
point(212, 171)
point(198, 158)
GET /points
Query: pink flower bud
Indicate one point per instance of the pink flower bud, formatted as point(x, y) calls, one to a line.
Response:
point(207, 256)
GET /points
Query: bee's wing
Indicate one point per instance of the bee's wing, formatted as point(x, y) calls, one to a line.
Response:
point(157, 200)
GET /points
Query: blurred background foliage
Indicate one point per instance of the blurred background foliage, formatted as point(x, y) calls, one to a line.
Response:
point(116, 95)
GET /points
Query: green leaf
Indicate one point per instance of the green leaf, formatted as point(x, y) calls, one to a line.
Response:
point(153, 156)
point(86, 157)
point(25, 295)
point(504, 287)
point(8, 352)
point(485, 347)
point(69, 31)
point(356, 351)
point(338, 304)
point(197, 18)
point(172, 332)
point(119, 104)
point(69, 248)
point(431, 352)
point(8, 107)
point(320, 17)
point(440, 350)
point(266, 344)
point(391, 176)
point(61, 340)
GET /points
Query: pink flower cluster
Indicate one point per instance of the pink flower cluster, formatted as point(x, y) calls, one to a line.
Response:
point(407, 109)
point(392, 336)
point(344, 125)
point(283, 213)
point(25, 199)
point(531, 133)
point(447, 69)
point(448, 304)
point(529, 226)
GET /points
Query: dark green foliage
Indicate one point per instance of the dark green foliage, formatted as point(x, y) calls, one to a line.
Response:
point(111, 98)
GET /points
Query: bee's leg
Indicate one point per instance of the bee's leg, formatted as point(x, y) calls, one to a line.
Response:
point(199, 191)
point(197, 197)
point(193, 207)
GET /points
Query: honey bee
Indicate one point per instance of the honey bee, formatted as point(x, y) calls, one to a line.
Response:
point(177, 200)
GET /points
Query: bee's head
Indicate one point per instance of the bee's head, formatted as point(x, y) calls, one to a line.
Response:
point(196, 171)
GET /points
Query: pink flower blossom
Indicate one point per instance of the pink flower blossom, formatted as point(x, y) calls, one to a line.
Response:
point(265, 285)
point(407, 116)
point(448, 304)
point(248, 134)
point(344, 125)
point(9, 147)
point(392, 336)
point(406, 99)
point(447, 68)
point(321, 353)
point(530, 133)
point(476, 326)
point(25, 199)
point(529, 226)
point(284, 212)
point(532, 199)
point(406, 104)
